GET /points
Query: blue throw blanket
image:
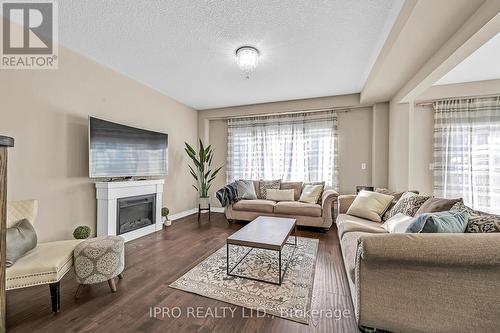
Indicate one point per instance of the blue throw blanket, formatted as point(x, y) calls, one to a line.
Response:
point(227, 195)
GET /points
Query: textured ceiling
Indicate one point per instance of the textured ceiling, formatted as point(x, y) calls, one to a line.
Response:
point(481, 65)
point(185, 48)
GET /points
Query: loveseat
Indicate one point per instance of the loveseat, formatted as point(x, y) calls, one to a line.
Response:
point(306, 214)
point(410, 282)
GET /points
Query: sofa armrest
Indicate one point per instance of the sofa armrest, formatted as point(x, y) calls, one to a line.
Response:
point(401, 279)
point(344, 202)
point(432, 249)
point(327, 202)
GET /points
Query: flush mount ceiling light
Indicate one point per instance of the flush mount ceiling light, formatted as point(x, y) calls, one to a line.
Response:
point(247, 58)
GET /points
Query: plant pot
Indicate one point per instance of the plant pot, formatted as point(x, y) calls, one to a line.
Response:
point(166, 221)
point(204, 202)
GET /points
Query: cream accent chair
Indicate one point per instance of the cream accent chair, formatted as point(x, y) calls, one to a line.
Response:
point(45, 264)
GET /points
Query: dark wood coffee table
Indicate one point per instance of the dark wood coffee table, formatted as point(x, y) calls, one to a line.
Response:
point(268, 233)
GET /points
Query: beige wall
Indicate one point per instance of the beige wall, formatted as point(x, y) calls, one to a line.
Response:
point(380, 144)
point(46, 112)
point(423, 145)
point(355, 147)
point(398, 146)
point(218, 140)
point(355, 134)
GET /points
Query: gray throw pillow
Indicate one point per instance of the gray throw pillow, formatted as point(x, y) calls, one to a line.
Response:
point(434, 205)
point(246, 189)
point(20, 238)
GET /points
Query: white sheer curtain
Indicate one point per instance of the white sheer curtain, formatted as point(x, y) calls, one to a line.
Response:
point(291, 147)
point(467, 151)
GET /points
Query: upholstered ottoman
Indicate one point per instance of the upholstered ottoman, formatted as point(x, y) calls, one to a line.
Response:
point(98, 260)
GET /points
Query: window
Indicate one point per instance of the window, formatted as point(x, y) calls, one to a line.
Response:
point(467, 152)
point(292, 147)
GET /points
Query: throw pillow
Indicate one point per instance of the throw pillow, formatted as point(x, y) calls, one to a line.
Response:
point(407, 205)
point(311, 193)
point(370, 205)
point(398, 223)
point(246, 189)
point(265, 185)
point(434, 205)
point(322, 184)
point(479, 222)
point(295, 186)
point(440, 222)
point(280, 195)
point(20, 238)
point(396, 195)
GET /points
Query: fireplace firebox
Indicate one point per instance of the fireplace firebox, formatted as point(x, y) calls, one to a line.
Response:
point(135, 212)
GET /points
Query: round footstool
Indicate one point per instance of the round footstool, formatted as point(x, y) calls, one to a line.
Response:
point(98, 260)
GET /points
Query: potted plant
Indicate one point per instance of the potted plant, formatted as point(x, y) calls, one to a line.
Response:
point(164, 214)
point(202, 171)
point(82, 232)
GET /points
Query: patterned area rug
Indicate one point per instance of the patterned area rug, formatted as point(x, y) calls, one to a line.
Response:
point(290, 300)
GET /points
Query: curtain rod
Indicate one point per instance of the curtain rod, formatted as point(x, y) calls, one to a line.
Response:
point(336, 109)
point(430, 102)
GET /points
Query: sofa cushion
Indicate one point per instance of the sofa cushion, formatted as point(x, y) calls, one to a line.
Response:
point(311, 193)
point(479, 222)
point(348, 223)
point(297, 208)
point(315, 183)
point(265, 185)
point(258, 205)
point(245, 189)
point(434, 205)
point(407, 205)
point(398, 223)
point(295, 186)
point(47, 263)
point(441, 222)
point(370, 205)
point(280, 195)
point(20, 238)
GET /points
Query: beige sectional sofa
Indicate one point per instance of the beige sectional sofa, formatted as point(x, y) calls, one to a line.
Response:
point(315, 215)
point(420, 282)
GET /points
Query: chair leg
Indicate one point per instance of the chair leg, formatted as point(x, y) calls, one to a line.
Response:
point(55, 296)
point(112, 285)
point(80, 287)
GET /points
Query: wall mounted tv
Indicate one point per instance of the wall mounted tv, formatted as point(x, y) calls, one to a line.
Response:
point(117, 150)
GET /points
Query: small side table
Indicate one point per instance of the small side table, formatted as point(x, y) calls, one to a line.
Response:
point(203, 210)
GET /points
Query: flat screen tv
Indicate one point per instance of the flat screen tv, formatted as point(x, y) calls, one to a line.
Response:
point(117, 150)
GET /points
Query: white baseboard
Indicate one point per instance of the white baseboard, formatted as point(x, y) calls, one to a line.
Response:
point(192, 211)
point(185, 213)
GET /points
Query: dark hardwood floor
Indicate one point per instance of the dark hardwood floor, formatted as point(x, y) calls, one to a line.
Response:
point(156, 260)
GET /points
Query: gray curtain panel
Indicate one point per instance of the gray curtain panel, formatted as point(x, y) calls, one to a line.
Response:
point(290, 147)
point(467, 151)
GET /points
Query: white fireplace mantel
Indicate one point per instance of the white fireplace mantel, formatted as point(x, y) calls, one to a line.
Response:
point(107, 194)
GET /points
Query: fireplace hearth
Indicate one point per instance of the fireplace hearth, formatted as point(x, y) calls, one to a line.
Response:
point(135, 213)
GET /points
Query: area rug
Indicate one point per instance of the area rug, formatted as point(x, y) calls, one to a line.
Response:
point(290, 300)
